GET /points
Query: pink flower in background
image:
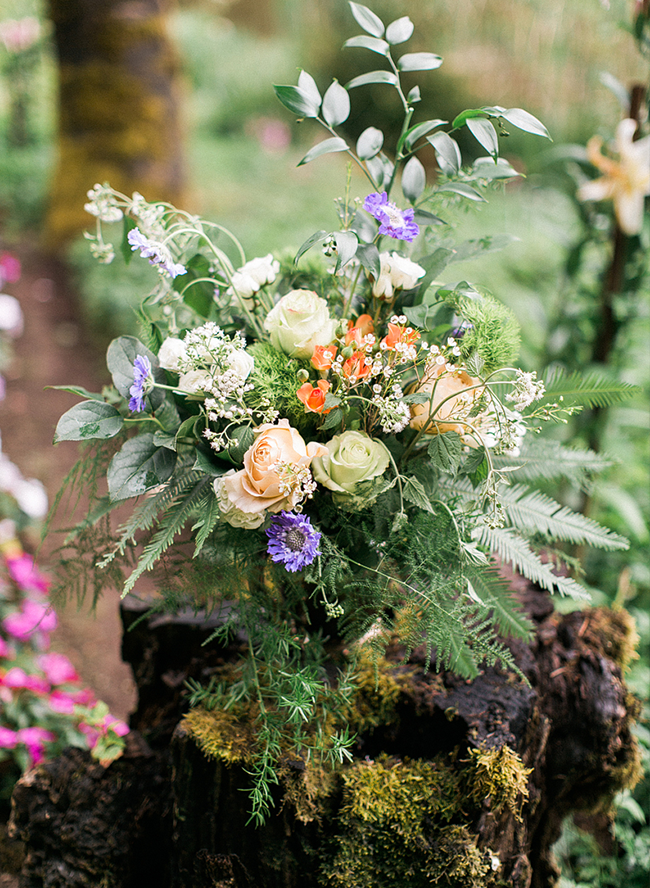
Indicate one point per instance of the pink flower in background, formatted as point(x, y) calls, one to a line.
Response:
point(9, 268)
point(61, 702)
point(35, 740)
point(23, 571)
point(109, 722)
point(8, 738)
point(34, 619)
point(18, 678)
point(57, 668)
point(19, 34)
point(6, 651)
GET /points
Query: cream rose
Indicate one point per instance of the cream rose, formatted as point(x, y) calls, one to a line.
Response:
point(454, 397)
point(276, 471)
point(172, 351)
point(229, 512)
point(299, 322)
point(241, 363)
point(397, 273)
point(351, 457)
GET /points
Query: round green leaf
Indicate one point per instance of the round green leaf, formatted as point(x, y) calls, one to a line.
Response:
point(90, 419)
point(336, 104)
point(400, 30)
point(369, 143)
point(414, 179)
point(419, 61)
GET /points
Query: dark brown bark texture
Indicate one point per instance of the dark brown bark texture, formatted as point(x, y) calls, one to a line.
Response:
point(119, 119)
point(164, 815)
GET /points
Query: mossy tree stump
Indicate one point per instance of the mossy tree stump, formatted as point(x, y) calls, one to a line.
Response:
point(456, 783)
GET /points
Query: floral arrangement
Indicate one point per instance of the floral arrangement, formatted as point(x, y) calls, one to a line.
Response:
point(333, 449)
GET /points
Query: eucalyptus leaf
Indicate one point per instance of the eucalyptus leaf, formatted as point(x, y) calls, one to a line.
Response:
point(297, 100)
point(165, 439)
point(373, 77)
point(400, 30)
point(138, 467)
point(90, 419)
point(372, 43)
point(421, 316)
point(414, 179)
point(365, 17)
point(447, 152)
point(244, 436)
point(446, 451)
point(336, 104)
point(381, 170)
point(328, 146)
point(369, 143)
point(485, 134)
point(346, 247)
point(419, 61)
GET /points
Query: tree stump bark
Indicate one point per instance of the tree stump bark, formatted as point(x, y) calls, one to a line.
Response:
point(565, 737)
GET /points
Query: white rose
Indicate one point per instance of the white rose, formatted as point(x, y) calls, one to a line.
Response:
point(172, 351)
point(11, 316)
point(230, 513)
point(195, 382)
point(299, 322)
point(254, 274)
point(397, 273)
point(241, 363)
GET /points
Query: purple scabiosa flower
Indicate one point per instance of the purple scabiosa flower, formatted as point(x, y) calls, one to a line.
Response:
point(292, 540)
point(394, 222)
point(155, 252)
point(142, 383)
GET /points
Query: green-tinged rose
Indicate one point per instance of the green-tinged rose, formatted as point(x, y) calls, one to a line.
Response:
point(299, 322)
point(352, 459)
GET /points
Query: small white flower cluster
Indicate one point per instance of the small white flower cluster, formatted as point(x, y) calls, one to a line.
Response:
point(394, 414)
point(294, 479)
point(102, 204)
point(525, 389)
point(503, 434)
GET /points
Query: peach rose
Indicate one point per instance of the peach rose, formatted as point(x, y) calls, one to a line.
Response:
point(313, 397)
point(276, 472)
point(453, 400)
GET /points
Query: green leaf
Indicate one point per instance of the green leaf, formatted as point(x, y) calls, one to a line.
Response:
point(138, 467)
point(591, 389)
point(469, 249)
point(462, 189)
point(371, 43)
point(165, 439)
point(485, 134)
point(419, 61)
point(120, 357)
point(77, 390)
point(336, 104)
point(307, 83)
point(380, 169)
point(413, 491)
point(206, 466)
point(369, 143)
point(446, 451)
point(424, 217)
point(414, 179)
point(400, 30)
point(199, 296)
point(434, 263)
point(420, 316)
point(125, 247)
point(368, 256)
point(486, 168)
point(418, 131)
point(90, 419)
point(309, 243)
point(522, 120)
point(346, 247)
point(496, 594)
point(373, 77)
point(244, 436)
point(297, 100)
point(447, 152)
point(370, 22)
point(328, 146)
point(464, 116)
point(414, 95)
point(333, 419)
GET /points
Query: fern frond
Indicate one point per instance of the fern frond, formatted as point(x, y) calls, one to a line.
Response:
point(591, 388)
point(533, 512)
point(512, 549)
point(545, 459)
point(495, 593)
point(206, 525)
point(171, 524)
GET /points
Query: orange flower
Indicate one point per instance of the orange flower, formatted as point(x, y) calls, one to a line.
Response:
point(362, 327)
point(323, 356)
point(356, 367)
point(314, 397)
point(398, 334)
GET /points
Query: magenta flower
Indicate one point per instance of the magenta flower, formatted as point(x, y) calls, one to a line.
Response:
point(24, 572)
point(57, 668)
point(108, 723)
point(394, 222)
point(35, 740)
point(9, 268)
point(33, 619)
point(8, 738)
point(61, 702)
point(18, 678)
point(6, 651)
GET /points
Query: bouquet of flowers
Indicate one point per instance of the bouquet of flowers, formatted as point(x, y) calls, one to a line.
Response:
point(333, 449)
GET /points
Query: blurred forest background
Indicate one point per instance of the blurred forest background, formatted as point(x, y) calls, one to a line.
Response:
point(202, 127)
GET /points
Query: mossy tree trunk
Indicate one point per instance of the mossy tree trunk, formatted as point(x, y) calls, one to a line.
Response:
point(119, 118)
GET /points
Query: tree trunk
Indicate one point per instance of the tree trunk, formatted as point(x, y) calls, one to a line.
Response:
point(462, 783)
point(119, 107)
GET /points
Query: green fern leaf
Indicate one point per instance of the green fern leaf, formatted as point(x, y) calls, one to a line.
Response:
point(206, 525)
point(495, 594)
point(545, 459)
point(591, 389)
point(535, 512)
